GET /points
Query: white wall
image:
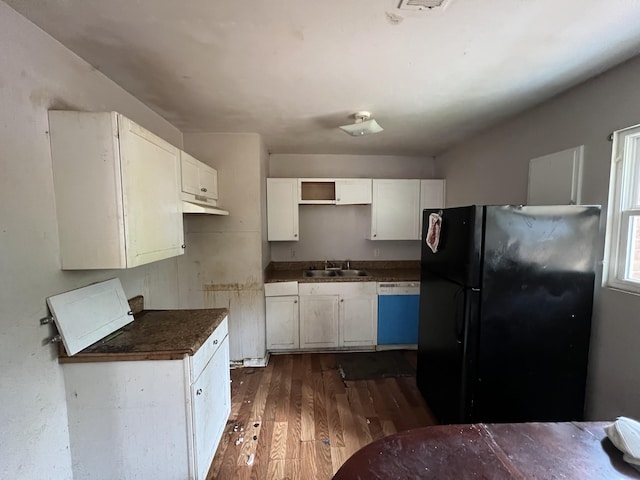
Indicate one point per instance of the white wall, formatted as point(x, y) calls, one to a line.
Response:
point(340, 232)
point(37, 74)
point(492, 168)
point(223, 263)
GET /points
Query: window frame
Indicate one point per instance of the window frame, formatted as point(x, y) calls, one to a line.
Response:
point(624, 205)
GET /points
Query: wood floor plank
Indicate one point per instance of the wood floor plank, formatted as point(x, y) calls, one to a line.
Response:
point(361, 428)
point(278, 450)
point(306, 420)
point(261, 451)
point(319, 409)
point(275, 470)
point(294, 421)
point(308, 462)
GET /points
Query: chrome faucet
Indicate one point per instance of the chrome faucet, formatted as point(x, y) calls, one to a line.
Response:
point(348, 267)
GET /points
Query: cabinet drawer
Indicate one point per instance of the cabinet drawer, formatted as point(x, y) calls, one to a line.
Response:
point(338, 288)
point(208, 349)
point(278, 289)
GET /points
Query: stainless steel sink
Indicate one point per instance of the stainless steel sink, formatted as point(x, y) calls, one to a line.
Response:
point(335, 273)
point(353, 273)
point(321, 273)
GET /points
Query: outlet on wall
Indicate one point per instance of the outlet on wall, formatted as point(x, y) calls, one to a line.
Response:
point(376, 252)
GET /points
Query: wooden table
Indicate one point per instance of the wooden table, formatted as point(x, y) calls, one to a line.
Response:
point(577, 451)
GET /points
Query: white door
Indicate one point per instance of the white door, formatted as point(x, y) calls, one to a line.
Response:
point(151, 195)
point(208, 182)
point(353, 191)
point(394, 210)
point(358, 320)
point(318, 321)
point(211, 400)
point(282, 323)
point(282, 209)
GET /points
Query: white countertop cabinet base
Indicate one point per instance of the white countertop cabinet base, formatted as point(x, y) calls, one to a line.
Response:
point(159, 419)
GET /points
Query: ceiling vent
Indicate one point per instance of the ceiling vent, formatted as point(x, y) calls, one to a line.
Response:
point(420, 4)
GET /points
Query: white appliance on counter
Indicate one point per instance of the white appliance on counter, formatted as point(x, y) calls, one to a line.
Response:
point(152, 411)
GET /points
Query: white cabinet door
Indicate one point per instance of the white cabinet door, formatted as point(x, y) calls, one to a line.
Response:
point(211, 406)
point(198, 178)
point(150, 186)
point(209, 181)
point(117, 189)
point(282, 209)
point(393, 210)
point(351, 191)
point(432, 195)
point(358, 320)
point(556, 179)
point(319, 321)
point(282, 323)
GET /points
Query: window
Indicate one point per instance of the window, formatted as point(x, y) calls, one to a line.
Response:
point(622, 247)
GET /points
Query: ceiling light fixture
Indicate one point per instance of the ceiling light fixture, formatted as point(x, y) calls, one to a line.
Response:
point(362, 125)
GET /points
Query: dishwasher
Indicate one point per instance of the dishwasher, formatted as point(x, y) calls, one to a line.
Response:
point(398, 315)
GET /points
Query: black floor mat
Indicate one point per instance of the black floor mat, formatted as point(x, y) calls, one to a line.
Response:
point(373, 365)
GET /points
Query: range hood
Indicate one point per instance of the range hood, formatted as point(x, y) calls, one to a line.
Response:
point(197, 204)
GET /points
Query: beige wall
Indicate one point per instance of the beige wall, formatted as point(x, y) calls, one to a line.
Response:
point(38, 74)
point(340, 232)
point(223, 263)
point(492, 168)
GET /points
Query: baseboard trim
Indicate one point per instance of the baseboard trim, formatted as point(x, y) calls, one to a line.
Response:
point(256, 362)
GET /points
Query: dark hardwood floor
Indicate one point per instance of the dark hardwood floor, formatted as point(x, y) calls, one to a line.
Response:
point(297, 418)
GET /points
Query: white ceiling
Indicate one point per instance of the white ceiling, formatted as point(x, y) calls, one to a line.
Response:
point(294, 70)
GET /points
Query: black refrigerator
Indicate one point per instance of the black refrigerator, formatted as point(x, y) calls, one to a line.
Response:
point(505, 312)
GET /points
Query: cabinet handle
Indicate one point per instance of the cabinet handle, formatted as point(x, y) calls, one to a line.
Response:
point(203, 189)
point(199, 391)
point(295, 234)
point(337, 199)
point(295, 301)
point(184, 245)
point(374, 235)
point(215, 342)
point(341, 300)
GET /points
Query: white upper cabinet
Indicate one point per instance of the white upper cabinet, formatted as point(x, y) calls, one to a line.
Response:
point(556, 179)
point(394, 210)
point(338, 191)
point(432, 195)
point(199, 178)
point(353, 191)
point(117, 190)
point(282, 209)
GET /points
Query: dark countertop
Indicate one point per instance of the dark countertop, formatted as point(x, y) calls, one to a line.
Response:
point(572, 451)
point(382, 271)
point(154, 335)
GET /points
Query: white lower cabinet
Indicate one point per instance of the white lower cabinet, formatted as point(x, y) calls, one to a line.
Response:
point(283, 326)
point(282, 323)
point(338, 314)
point(160, 419)
point(319, 319)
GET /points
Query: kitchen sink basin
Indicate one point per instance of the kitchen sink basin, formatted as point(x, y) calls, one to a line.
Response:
point(353, 273)
point(321, 273)
point(335, 273)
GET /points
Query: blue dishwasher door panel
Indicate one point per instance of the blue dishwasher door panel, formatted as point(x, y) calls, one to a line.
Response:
point(398, 319)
